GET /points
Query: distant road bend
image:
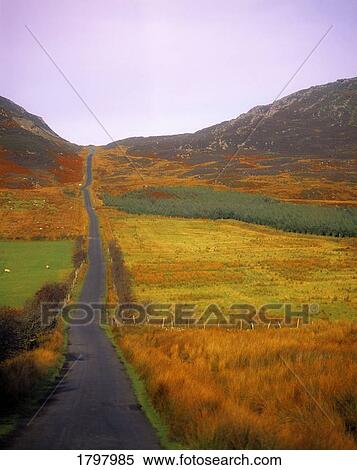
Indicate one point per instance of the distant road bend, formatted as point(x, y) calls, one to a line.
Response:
point(94, 407)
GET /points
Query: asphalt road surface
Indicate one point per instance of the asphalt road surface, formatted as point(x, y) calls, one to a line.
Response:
point(94, 407)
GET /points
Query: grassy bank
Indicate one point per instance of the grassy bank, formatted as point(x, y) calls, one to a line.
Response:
point(267, 389)
point(206, 202)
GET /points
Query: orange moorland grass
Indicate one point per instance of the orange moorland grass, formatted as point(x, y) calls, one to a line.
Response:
point(50, 213)
point(115, 174)
point(261, 389)
point(23, 372)
point(70, 168)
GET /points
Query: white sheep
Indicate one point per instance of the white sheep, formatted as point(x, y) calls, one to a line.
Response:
point(7, 270)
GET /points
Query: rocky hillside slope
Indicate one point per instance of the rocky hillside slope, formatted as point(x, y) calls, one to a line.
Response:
point(31, 153)
point(319, 121)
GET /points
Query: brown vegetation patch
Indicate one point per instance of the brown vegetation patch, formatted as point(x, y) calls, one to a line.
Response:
point(7, 167)
point(9, 123)
point(70, 168)
point(167, 278)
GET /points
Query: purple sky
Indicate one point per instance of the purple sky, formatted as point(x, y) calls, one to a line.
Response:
point(158, 67)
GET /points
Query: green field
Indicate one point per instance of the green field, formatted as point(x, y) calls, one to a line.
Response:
point(27, 262)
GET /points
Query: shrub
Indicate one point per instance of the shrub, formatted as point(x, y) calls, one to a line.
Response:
point(79, 253)
point(11, 332)
point(22, 330)
point(120, 274)
point(33, 328)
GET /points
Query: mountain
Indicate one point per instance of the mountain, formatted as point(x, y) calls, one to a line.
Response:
point(31, 153)
point(309, 134)
point(320, 121)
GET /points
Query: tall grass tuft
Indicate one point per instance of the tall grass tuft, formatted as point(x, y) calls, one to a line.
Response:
point(22, 374)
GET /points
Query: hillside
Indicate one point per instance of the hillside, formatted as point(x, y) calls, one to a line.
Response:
point(302, 146)
point(311, 132)
point(32, 154)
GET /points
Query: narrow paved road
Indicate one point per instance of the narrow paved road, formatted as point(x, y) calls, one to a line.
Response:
point(94, 407)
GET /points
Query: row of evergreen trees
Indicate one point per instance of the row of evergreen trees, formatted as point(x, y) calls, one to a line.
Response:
point(206, 202)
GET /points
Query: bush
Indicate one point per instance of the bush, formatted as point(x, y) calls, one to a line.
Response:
point(121, 277)
point(79, 253)
point(22, 330)
point(33, 328)
point(11, 332)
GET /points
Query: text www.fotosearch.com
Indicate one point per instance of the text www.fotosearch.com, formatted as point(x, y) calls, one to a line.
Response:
point(194, 460)
point(182, 459)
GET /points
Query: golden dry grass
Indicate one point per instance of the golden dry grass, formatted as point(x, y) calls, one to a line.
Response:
point(21, 374)
point(269, 389)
